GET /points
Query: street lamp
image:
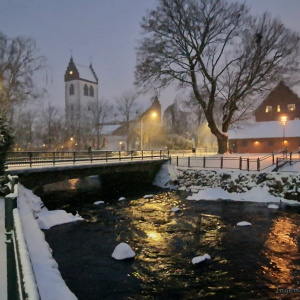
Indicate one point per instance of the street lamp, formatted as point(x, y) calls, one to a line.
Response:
point(153, 116)
point(283, 120)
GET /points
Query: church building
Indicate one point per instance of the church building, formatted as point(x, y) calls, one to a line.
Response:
point(81, 88)
point(81, 98)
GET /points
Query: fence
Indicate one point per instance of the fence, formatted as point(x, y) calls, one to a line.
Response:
point(20, 279)
point(290, 159)
point(229, 162)
point(36, 158)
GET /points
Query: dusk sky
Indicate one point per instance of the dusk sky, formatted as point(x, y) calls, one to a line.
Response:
point(103, 32)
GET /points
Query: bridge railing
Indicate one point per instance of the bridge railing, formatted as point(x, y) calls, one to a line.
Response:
point(36, 158)
point(21, 282)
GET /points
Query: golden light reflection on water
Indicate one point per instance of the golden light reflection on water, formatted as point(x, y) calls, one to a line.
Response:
point(282, 250)
point(167, 241)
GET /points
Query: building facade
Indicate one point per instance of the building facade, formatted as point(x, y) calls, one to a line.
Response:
point(140, 134)
point(282, 101)
point(276, 125)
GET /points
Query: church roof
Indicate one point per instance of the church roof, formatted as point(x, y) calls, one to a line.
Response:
point(86, 73)
point(77, 71)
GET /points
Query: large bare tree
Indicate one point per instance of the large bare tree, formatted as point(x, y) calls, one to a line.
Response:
point(19, 59)
point(219, 50)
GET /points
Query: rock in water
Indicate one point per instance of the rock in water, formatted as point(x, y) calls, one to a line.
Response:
point(175, 209)
point(123, 251)
point(244, 223)
point(199, 259)
point(273, 206)
point(98, 202)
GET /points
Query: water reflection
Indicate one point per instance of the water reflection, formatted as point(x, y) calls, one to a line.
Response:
point(166, 242)
point(73, 184)
point(282, 251)
point(247, 263)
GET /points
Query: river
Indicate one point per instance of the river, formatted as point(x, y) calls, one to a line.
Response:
point(261, 261)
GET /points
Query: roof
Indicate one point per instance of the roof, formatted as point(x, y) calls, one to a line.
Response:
point(77, 71)
point(86, 73)
point(109, 129)
point(271, 129)
point(280, 91)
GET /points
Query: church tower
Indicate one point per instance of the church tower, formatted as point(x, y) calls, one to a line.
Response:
point(81, 89)
point(81, 98)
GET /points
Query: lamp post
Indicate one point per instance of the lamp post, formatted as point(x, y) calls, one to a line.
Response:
point(153, 116)
point(283, 120)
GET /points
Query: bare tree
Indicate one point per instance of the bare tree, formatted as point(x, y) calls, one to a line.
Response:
point(175, 119)
point(18, 62)
point(51, 127)
point(101, 111)
point(127, 108)
point(215, 47)
point(24, 127)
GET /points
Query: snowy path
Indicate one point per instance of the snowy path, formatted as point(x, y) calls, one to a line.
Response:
point(3, 288)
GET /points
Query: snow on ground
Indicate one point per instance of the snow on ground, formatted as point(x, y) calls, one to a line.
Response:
point(256, 194)
point(35, 216)
point(294, 167)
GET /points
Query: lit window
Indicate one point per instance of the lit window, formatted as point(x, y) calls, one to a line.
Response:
point(85, 90)
point(91, 91)
point(278, 108)
point(291, 107)
point(71, 89)
point(71, 72)
point(268, 109)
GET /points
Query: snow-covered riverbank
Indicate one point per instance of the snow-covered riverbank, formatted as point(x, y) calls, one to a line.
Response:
point(203, 184)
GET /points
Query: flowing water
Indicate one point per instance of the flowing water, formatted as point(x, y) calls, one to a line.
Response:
point(261, 261)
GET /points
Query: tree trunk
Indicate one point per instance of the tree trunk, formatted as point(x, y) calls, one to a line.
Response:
point(222, 143)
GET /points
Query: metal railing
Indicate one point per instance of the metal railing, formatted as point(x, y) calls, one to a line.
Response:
point(229, 162)
point(290, 159)
point(35, 158)
point(21, 284)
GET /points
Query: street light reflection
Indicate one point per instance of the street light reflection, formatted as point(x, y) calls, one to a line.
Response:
point(281, 248)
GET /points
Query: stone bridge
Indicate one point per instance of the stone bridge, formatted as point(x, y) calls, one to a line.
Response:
point(110, 174)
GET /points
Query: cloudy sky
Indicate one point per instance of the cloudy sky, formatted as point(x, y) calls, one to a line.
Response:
point(103, 32)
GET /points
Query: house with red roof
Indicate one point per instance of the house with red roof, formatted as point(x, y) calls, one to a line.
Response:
point(276, 125)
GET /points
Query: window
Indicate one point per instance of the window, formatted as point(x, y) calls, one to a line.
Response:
point(278, 108)
point(296, 119)
point(71, 89)
point(91, 91)
point(244, 143)
point(271, 143)
point(268, 108)
point(85, 90)
point(291, 107)
point(89, 108)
